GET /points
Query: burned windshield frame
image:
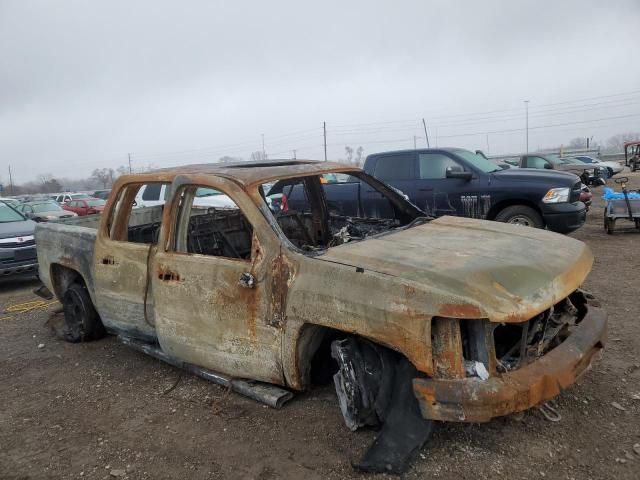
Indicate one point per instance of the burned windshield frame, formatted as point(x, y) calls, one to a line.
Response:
point(311, 225)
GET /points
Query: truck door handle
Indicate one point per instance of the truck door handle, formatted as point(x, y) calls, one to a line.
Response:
point(425, 189)
point(247, 280)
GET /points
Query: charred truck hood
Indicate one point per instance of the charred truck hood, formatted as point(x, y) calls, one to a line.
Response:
point(480, 270)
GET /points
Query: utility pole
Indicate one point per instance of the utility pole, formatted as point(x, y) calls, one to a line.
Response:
point(324, 129)
point(10, 180)
point(130, 170)
point(294, 154)
point(414, 142)
point(488, 149)
point(526, 110)
point(424, 124)
point(264, 155)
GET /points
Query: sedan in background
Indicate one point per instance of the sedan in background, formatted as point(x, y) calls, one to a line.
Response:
point(613, 168)
point(44, 211)
point(85, 206)
point(17, 245)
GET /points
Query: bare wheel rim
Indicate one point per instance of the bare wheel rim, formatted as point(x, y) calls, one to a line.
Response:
point(74, 314)
point(521, 220)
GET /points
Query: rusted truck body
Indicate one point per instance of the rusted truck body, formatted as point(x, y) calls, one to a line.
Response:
point(262, 292)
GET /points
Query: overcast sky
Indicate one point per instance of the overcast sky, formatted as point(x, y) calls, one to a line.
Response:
point(83, 83)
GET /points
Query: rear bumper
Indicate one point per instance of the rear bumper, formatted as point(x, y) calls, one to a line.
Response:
point(564, 217)
point(475, 400)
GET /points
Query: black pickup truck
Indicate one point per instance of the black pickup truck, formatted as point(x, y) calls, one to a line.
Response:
point(454, 181)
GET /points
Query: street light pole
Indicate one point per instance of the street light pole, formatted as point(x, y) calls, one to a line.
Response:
point(526, 109)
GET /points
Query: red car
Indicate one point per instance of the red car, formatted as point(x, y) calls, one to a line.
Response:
point(85, 206)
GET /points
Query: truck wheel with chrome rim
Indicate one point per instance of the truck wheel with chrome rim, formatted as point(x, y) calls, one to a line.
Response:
point(520, 215)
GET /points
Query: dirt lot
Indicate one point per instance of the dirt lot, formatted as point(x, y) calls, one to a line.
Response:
point(99, 410)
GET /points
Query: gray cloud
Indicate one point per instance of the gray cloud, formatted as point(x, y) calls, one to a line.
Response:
point(83, 83)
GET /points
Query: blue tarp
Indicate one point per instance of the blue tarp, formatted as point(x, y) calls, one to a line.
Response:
point(610, 194)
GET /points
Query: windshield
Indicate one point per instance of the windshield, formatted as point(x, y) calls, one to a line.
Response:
point(96, 202)
point(322, 211)
point(8, 214)
point(45, 207)
point(478, 161)
point(556, 160)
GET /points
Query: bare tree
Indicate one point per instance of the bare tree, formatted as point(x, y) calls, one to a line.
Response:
point(228, 159)
point(359, 156)
point(616, 143)
point(349, 152)
point(104, 176)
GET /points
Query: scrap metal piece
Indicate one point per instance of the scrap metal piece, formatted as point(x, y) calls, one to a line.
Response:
point(268, 394)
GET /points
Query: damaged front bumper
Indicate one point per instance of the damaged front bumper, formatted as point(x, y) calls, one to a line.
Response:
point(476, 400)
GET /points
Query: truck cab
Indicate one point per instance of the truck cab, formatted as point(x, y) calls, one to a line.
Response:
point(454, 181)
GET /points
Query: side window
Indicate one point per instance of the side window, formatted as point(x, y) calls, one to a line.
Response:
point(394, 167)
point(210, 223)
point(72, 204)
point(152, 192)
point(139, 225)
point(434, 165)
point(536, 162)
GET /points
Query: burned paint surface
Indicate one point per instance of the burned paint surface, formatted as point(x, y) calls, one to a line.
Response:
point(410, 290)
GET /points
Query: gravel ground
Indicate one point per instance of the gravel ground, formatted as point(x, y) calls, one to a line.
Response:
point(101, 410)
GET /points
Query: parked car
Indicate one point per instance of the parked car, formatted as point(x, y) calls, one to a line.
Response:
point(554, 162)
point(17, 244)
point(12, 202)
point(613, 168)
point(586, 196)
point(85, 206)
point(452, 319)
point(453, 181)
point(44, 210)
point(63, 198)
point(103, 194)
point(156, 194)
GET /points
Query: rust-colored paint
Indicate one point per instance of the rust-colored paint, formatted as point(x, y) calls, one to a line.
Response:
point(408, 290)
point(475, 400)
point(447, 348)
point(459, 311)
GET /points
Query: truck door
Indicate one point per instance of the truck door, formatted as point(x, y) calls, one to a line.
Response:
point(124, 245)
point(438, 195)
point(396, 169)
point(217, 285)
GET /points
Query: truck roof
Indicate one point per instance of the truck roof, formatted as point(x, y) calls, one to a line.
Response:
point(248, 173)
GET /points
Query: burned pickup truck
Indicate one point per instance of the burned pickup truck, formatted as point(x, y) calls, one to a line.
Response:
point(414, 320)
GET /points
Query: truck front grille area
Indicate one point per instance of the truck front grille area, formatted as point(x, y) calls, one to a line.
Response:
point(459, 346)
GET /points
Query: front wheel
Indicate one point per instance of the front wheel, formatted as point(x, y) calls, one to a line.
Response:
point(82, 321)
point(520, 215)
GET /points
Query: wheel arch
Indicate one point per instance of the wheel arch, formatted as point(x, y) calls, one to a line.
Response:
point(309, 349)
point(62, 277)
point(498, 207)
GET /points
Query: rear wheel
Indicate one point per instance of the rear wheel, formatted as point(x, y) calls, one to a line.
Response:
point(610, 225)
point(520, 215)
point(82, 321)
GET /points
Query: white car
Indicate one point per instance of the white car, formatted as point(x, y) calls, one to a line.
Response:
point(613, 167)
point(153, 194)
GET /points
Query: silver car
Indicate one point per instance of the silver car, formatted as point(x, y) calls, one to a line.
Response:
point(17, 245)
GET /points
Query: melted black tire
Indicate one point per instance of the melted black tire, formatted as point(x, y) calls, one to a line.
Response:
point(82, 321)
point(375, 388)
